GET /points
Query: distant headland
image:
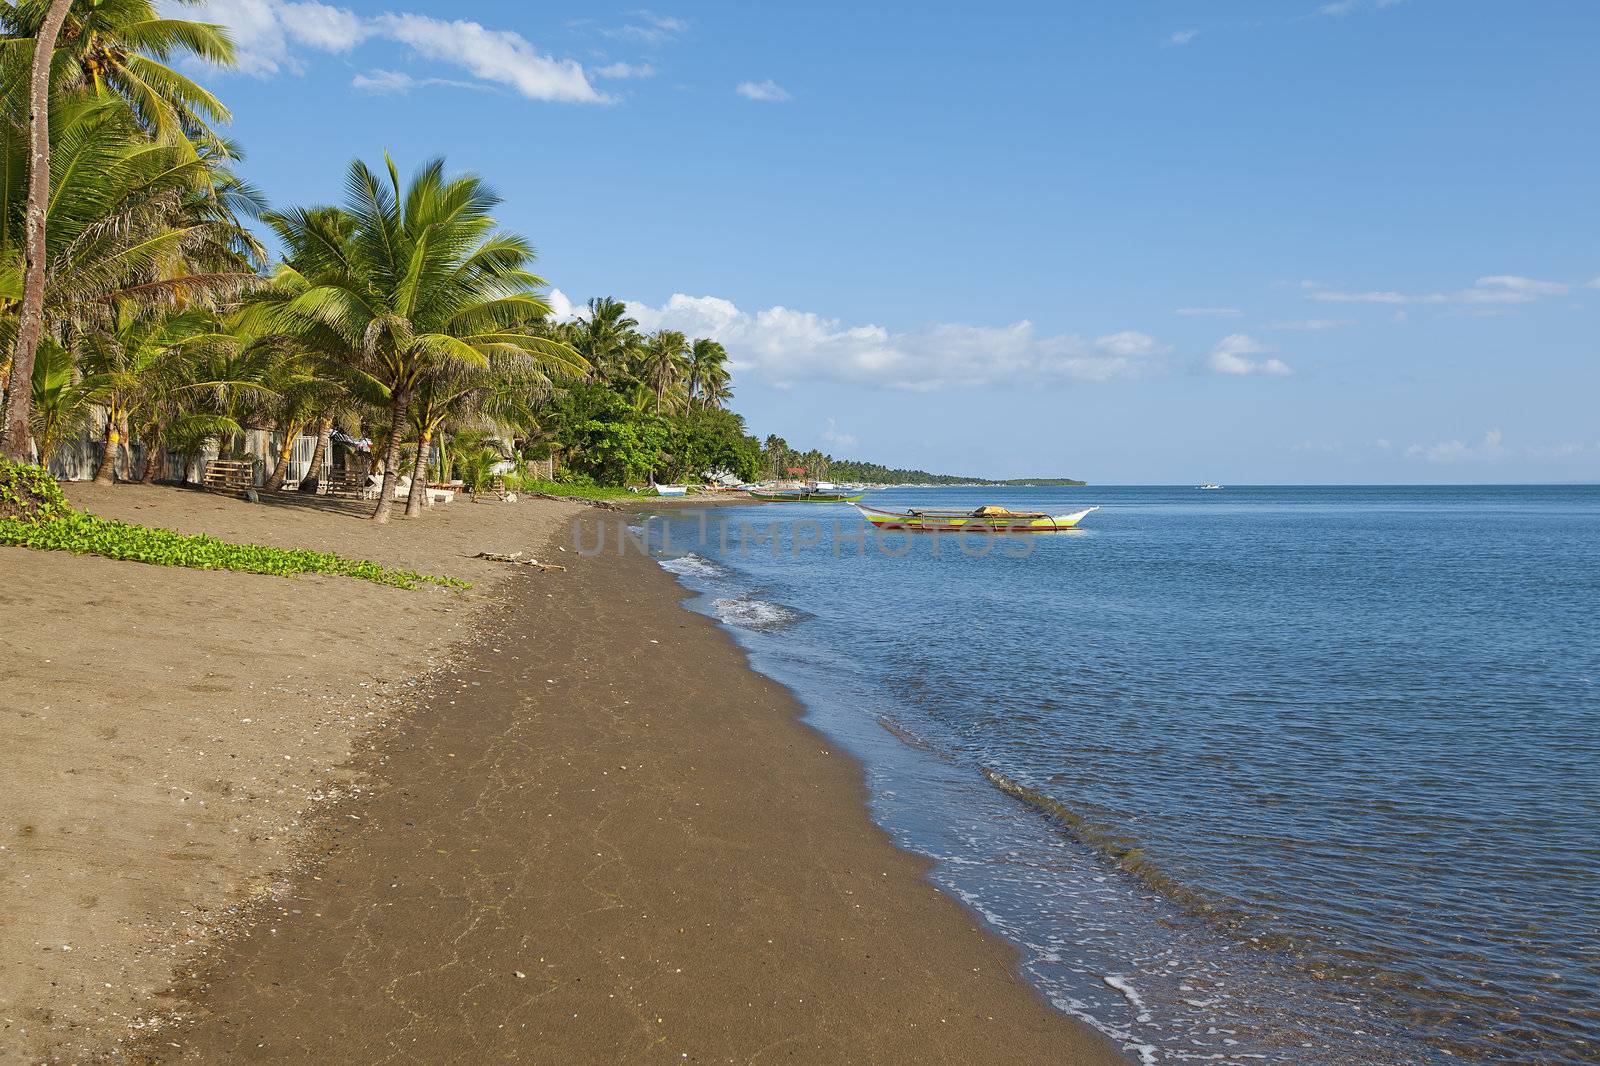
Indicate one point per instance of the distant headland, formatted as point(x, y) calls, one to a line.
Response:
point(878, 474)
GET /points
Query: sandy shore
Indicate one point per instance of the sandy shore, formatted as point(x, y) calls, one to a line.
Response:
point(592, 835)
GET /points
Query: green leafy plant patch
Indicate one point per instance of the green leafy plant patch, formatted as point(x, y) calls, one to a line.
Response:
point(35, 514)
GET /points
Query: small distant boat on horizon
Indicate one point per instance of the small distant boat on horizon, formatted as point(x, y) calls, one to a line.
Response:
point(982, 520)
point(1208, 485)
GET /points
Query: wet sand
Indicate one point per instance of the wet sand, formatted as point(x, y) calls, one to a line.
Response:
point(594, 836)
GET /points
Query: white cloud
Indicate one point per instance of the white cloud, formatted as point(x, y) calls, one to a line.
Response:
point(1214, 312)
point(1183, 37)
point(260, 38)
point(1311, 325)
point(649, 28)
point(781, 346)
point(832, 436)
point(626, 70)
point(768, 91)
point(562, 309)
point(1496, 289)
point(493, 55)
point(1529, 287)
point(1232, 356)
point(263, 32)
point(384, 81)
point(1565, 450)
point(1345, 7)
point(331, 29)
point(1131, 344)
point(1454, 451)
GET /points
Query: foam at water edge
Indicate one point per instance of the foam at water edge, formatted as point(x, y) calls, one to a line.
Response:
point(692, 565)
point(759, 615)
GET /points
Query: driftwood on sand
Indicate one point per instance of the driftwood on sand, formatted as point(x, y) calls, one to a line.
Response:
point(516, 558)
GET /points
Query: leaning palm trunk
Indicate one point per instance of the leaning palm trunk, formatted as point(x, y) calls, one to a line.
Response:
point(30, 323)
point(324, 438)
point(291, 433)
point(391, 459)
point(419, 497)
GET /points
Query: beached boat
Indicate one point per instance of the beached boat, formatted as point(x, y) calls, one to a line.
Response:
point(805, 496)
point(672, 490)
point(981, 520)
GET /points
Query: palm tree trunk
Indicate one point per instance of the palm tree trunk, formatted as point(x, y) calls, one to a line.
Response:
point(106, 473)
point(324, 440)
point(291, 433)
point(30, 323)
point(155, 458)
point(398, 403)
point(419, 496)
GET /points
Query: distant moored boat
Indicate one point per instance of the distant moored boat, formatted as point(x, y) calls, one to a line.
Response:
point(805, 496)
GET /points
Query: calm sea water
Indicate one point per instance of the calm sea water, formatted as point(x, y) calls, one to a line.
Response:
point(1266, 774)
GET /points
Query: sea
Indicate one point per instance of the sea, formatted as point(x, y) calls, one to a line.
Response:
point(1258, 775)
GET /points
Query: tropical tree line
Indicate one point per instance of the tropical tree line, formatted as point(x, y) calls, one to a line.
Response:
point(137, 298)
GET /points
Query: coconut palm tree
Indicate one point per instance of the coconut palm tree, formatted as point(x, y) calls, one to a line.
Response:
point(99, 51)
point(115, 362)
point(706, 359)
point(607, 336)
point(417, 284)
point(122, 48)
point(19, 392)
point(62, 406)
point(664, 362)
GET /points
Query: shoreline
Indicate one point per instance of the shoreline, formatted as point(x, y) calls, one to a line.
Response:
point(868, 957)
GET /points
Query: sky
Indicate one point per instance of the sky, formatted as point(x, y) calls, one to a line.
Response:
point(1169, 242)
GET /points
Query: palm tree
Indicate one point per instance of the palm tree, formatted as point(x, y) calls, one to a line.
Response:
point(117, 360)
point(61, 405)
point(120, 48)
point(19, 392)
point(607, 337)
point(418, 284)
point(706, 359)
point(777, 450)
point(664, 361)
point(105, 38)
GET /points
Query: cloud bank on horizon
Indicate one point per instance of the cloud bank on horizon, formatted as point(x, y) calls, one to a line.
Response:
point(783, 346)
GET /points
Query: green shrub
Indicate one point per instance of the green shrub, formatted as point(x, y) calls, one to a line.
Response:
point(581, 486)
point(35, 514)
point(29, 494)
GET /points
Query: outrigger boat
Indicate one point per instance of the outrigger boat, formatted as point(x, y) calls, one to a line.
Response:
point(982, 520)
point(805, 496)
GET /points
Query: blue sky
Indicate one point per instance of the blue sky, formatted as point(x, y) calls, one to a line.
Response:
point(1163, 242)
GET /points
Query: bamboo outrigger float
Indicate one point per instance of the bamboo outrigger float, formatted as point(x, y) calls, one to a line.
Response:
point(982, 520)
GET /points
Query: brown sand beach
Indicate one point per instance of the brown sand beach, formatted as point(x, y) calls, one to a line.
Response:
point(237, 826)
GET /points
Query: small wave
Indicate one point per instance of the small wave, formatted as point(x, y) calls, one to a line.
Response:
point(1125, 854)
point(692, 565)
point(1129, 993)
point(747, 613)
